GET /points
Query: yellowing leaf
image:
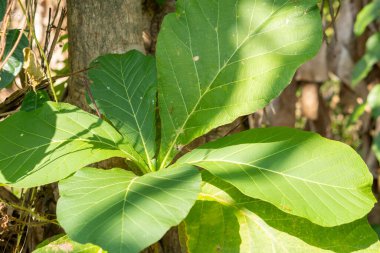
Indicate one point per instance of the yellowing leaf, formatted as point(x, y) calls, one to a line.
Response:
point(33, 71)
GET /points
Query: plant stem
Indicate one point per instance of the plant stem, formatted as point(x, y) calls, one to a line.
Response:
point(48, 70)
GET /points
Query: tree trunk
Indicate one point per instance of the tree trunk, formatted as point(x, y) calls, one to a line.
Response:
point(98, 27)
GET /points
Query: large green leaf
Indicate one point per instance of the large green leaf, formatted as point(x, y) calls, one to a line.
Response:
point(63, 244)
point(224, 220)
point(221, 59)
point(14, 64)
point(50, 143)
point(122, 212)
point(299, 172)
point(371, 56)
point(124, 87)
point(366, 16)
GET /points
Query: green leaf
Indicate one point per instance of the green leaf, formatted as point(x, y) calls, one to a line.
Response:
point(124, 88)
point(218, 60)
point(122, 212)
point(299, 172)
point(52, 142)
point(212, 227)
point(49, 240)
point(250, 225)
point(374, 248)
point(365, 64)
point(376, 227)
point(359, 110)
point(65, 245)
point(3, 8)
point(34, 100)
point(366, 16)
point(14, 64)
point(373, 100)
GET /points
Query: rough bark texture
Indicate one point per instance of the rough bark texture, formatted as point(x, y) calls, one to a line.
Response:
point(98, 27)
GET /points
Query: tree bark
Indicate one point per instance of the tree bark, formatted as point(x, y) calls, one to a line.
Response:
point(98, 27)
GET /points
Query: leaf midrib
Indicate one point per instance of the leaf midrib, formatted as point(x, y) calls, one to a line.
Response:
point(60, 142)
point(179, 131)
point(137, 123)
point(271, 171)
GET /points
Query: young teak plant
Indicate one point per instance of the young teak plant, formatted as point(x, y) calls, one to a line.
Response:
point(262, 190)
